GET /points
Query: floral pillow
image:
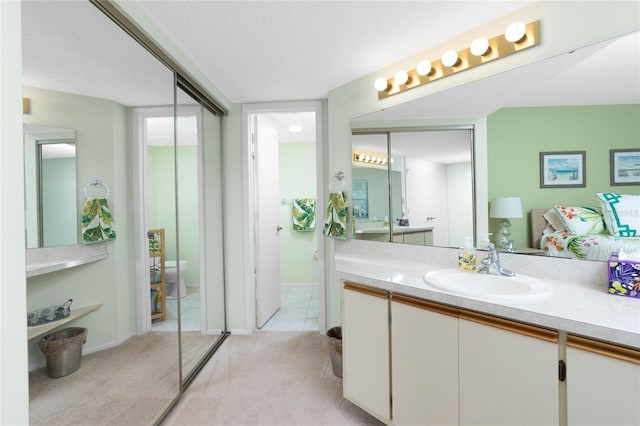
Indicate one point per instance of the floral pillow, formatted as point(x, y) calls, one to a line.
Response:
point(621, 213)
point(581, 220)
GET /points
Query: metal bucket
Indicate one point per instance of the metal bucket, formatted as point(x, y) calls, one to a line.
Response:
point(63, 350)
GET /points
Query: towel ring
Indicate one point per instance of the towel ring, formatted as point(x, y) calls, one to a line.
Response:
point(337, 178)
point(96, 183)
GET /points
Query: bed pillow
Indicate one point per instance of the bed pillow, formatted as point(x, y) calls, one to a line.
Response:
point(621, 213)
point(555, 220)
point(581, 220)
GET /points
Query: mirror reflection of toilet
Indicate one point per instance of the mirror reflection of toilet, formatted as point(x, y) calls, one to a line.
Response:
point(171, 274)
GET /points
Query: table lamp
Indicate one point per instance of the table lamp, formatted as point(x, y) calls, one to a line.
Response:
point(505, 208)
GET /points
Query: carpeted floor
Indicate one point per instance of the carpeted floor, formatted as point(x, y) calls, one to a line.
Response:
point(130, 384)
point(268, 378)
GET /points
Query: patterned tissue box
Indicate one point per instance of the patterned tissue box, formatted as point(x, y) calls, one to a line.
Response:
point(624, 277)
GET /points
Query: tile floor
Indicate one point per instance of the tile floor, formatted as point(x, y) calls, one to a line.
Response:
point(298, 311)
point(189, 308)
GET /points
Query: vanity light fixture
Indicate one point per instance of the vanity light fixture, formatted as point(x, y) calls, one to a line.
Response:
point(424, 68)
point(515, 33)
point(518, 37)
point(375, 160)
point(381, 84)
point(480, 46)
point(401, 77)
point(450, 58)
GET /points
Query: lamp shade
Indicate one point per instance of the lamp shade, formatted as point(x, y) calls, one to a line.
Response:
point(506, 207)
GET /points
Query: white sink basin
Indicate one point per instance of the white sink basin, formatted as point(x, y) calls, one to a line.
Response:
point(520, 288)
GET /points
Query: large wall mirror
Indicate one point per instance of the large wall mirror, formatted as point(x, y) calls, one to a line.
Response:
point(50, 186)
point(413, 186)
point(83, 76)
point(571, 102)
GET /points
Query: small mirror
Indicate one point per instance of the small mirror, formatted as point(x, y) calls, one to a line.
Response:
point(51, 213)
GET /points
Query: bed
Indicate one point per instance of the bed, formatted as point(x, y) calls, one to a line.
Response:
point(550, 233)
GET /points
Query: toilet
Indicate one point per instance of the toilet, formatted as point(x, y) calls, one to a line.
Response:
point(171, 275)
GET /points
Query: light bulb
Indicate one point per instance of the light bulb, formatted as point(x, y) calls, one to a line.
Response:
point(480, 46)
point(450, 58)
point(423, 68)
point(515, 32)
point(381, 84)
point(401, 77)
point(360, 156)
point(367, 158)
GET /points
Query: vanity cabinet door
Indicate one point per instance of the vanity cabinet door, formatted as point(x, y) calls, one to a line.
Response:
point(603, 383)
point(365, 349)
point(424, 362)
point(508, 372)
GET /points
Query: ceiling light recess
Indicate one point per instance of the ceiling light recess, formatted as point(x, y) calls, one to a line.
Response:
point(516, 38)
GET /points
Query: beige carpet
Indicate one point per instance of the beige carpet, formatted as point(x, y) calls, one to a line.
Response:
point(268, 378)
point(131, 384)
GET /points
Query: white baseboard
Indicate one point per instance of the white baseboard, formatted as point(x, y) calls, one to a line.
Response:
point(42, 362)
point(298, 284)
point(241, 331)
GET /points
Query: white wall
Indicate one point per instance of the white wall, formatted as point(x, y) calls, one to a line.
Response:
point(427, 197)
point(460, 202)
point(14, 382)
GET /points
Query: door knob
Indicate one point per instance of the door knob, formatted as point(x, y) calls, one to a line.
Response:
point(279, 228)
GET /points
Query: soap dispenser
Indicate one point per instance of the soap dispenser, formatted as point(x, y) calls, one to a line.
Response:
point(467, 256)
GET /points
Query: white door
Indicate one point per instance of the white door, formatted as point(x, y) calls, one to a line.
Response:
point(267, 187)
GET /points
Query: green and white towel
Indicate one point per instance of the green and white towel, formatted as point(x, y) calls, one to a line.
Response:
point(97, 223)
point(303, 214)
point(335, 220)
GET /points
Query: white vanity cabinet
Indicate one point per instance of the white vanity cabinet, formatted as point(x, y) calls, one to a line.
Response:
point(603, 383)
point(424, 362)
point(508, 372)
point(365, 349)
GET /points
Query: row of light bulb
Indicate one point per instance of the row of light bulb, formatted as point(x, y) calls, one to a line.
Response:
point(363, 158)
point(514, 33)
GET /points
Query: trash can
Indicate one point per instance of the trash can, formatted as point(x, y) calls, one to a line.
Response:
point(335, 349)
point(63, 350)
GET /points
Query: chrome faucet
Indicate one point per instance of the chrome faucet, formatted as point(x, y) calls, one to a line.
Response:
point(491, 264)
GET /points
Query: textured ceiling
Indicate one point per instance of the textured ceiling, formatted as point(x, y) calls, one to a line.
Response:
point(259, 51)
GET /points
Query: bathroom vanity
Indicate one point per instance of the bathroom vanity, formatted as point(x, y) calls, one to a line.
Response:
point(417, 354)
point(415, 235)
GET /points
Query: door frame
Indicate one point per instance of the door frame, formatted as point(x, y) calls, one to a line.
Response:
point(250, 208)
point(140, 208)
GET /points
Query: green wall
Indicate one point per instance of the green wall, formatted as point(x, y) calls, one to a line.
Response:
point(517, 135)
point(103, 152)
point(161, 202)
point(298, 180)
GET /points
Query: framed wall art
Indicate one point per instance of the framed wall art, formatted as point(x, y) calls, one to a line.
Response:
point(563, 169)
point(625, 166)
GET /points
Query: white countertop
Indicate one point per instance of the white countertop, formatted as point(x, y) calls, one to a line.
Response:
point(585, 310)
point(397, 229)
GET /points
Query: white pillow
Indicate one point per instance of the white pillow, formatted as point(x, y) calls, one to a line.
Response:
point(621, 213)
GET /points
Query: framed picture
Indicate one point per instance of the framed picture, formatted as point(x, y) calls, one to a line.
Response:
point(563, 169)
point(625, 166)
